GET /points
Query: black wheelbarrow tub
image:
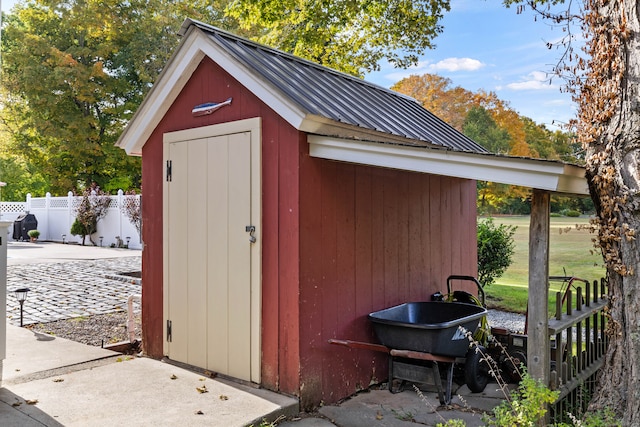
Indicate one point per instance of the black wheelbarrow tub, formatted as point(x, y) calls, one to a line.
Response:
point(428, 327)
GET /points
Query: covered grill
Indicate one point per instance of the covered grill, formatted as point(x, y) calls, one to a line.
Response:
point(22, 225)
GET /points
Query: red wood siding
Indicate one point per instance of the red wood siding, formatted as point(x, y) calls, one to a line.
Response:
point(338, 242)
point(371, 238)
point(280, 156)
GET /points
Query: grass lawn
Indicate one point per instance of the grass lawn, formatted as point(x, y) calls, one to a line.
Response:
point(571, 253)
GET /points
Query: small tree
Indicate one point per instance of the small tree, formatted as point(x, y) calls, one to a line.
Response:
point(91, 209)
point(495, 250)
point(131, 207)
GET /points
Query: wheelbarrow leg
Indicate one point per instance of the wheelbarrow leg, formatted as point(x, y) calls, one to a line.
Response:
point(438, 382)
point(443, 395)
point(449, 383)
point(392, 379)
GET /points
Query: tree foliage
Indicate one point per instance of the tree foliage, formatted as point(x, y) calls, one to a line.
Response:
point(437, 94)
point(61, 92)
point(480, 126)
point(348, 35)
point(73, 73)
point(487, 119)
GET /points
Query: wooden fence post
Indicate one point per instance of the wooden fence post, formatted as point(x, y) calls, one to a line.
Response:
point(538, 348)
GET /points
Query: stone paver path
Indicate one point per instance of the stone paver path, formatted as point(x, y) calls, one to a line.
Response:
point(71, 289)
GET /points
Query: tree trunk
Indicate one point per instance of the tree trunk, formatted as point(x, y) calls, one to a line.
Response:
point(609, 127)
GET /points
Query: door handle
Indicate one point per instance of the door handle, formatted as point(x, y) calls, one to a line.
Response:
point(251, 229)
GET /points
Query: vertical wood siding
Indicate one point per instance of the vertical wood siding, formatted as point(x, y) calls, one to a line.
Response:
point(371, 238)
point(339, 241)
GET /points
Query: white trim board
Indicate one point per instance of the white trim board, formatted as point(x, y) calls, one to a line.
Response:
point(534, 173)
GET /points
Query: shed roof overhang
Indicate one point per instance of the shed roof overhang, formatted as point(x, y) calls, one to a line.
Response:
point(547, 175)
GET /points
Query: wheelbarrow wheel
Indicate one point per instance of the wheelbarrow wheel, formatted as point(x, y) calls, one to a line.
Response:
point(476, 369)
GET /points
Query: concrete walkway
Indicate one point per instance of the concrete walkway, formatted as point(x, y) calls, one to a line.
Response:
point(49, 381)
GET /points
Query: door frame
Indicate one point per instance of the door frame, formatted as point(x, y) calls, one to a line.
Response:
point(254, 126)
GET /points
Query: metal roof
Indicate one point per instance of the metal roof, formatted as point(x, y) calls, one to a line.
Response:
point(337, 96)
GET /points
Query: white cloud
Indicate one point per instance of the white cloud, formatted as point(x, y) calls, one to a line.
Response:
point(457, 64)
point(536, 80)
point(448, 64)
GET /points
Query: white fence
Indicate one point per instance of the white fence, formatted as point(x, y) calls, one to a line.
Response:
point(55, 216)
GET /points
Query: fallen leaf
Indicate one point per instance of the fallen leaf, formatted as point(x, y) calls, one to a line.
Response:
point(202, 379)
point(173, 377)
point(15, 404)
point(58, 380)
point(199, 413)
point(31, 402)
point(202, 389)
point(379, 416)
point(223, 397)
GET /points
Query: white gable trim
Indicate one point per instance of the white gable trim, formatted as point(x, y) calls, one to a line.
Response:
point(533, 173)
point(193, 48)
point(170, 83)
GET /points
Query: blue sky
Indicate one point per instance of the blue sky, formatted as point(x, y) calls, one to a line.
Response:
point(487, 46)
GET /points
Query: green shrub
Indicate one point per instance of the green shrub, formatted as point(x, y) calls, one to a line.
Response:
point(34, 234)
point(79, 229)
point(495, 250)
point(525, 407)
point(570, 213)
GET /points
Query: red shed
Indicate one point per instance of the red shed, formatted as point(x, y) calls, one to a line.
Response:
point(283, 202)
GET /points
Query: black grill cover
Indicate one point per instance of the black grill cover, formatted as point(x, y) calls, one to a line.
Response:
point(22, 225)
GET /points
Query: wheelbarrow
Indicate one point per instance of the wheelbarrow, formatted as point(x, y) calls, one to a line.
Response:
point(421, 336)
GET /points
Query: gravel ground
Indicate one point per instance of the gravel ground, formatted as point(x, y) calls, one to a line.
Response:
point(110, 328)
point(97, 330)
point(514, 322)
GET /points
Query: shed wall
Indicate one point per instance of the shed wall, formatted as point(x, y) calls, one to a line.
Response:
point(339, 241)
point(371, 238)
point(280, 156)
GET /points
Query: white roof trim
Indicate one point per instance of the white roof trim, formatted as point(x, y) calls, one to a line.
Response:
point(533, 173)
point(193, 48)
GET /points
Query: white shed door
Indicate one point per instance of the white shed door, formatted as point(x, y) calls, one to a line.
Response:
point(211, 314)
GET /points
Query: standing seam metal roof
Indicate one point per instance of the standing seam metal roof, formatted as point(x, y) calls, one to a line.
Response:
point(340, 97)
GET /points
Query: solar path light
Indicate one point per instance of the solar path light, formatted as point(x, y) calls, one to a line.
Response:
point(21, 296)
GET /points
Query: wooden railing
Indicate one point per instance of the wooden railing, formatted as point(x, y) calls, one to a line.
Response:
point(579, 344)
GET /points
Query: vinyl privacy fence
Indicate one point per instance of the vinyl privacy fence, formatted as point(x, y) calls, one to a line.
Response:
point(55, 216)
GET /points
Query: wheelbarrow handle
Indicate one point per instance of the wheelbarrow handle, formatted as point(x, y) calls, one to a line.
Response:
point(468, 278)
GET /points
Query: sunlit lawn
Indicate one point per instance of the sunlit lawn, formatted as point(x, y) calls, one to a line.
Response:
point(571, 253)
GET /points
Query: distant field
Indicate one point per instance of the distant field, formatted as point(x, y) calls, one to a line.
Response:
point(570, 251)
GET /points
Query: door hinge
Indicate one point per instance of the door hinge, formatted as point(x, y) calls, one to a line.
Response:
point(169, 330)
point(168, 170)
